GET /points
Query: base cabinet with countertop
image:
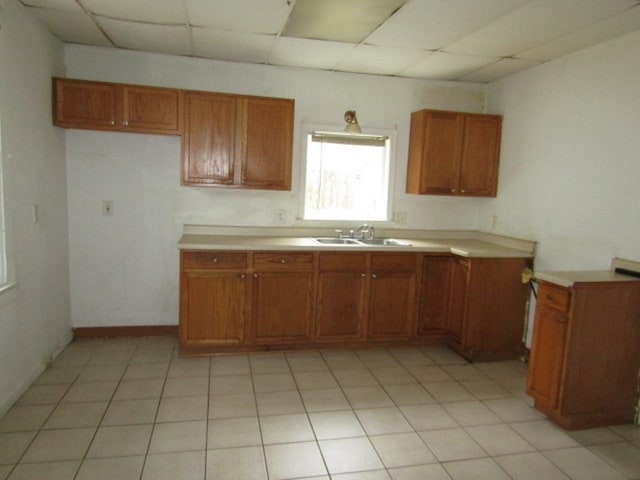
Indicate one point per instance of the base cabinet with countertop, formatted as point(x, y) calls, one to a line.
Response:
point(585, 355)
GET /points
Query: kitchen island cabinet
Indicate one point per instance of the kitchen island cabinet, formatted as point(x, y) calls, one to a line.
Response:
point(585, 356)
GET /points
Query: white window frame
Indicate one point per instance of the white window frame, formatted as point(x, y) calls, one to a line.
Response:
point(391, 134)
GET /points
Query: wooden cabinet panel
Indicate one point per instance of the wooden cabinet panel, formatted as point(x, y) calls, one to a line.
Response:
point(216, 260)
point(277, 261)
point(391, 305)
point(436, 291)
point(453, 153)
point(458, 299)
point(117, 107)
point(267, 143)
point(209, 143)
point(213, 308)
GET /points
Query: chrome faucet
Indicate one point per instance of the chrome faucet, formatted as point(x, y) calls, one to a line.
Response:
point(366, 232)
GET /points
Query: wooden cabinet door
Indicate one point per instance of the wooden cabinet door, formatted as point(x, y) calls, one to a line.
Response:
point(436, 289)
point(150, 109)
point(213, 307)
point(458, 299)
point(209, 142)
point(480, 154)
point(282, 306)
point(341, 296)
point(80, 104)
point(267, 143)
point(547, 356)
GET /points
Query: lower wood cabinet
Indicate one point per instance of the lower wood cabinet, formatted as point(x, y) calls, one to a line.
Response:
point(436, 293)
point(585, 360)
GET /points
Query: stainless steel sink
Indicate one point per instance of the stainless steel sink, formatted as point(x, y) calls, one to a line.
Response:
point(385, 242)
point(377, 242)
point(337, 241)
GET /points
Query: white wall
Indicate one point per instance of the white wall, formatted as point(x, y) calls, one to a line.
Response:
point(124, 269)
point(34, 316)
point(570, 164)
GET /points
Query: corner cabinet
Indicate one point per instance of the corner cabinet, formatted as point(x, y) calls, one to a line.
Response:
point(237, 141)
point(585, 360)
point(453, 153)
point(116, 107)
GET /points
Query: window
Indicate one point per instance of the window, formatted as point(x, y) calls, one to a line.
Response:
point(347, 176)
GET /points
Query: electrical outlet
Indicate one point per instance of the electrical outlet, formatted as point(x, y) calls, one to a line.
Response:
point(107, 208)
point(281, 217)
point(400, 217)
point(36, 214)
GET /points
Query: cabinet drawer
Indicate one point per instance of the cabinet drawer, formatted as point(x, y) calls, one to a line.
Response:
point(405, 262)
point(342, 261)
point(214, 260)
point(283, 261)
point(554, 296)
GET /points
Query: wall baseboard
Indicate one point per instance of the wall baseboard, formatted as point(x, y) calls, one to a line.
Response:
point(126, 331)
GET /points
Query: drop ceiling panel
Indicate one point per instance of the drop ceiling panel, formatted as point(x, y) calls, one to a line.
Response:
point(447, 66)
point(502, 68)
point(433, 24)
point(338, 20)
point(148, 37)
point(535, 24)
point(251, 16)
point(305, 53)
point(154, 11)
point(233, 46)
point(71, 27)
point(64, 5)
point(384, 60)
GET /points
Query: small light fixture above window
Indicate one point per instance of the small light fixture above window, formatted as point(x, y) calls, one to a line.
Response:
point(352, 122)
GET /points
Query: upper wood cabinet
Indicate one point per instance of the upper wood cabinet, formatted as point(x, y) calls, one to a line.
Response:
point(453, 153)
point(237, 141)
point(111, 106)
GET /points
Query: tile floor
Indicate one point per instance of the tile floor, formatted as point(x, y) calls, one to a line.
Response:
point(130, 408)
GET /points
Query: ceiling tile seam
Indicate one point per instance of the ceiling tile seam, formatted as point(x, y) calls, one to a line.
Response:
point(290, 4)
point(95, 22)
point(192, 45)
point(364, 40)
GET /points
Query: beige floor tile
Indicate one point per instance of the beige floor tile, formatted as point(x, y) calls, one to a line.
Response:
point(131, 412)
point(502, 369)
point(393, 375)
point(379, 421)
point(178, 437)
point(370, 475)
point(101, 373)
point(58, 375)
point(159, 355)
point(486, 389)
point(120, 441)
point(368, 397)
point(514, 385)
point(355, 378)
point(140, 371)
point(236, 464)
point(581, 464)
point(350, 455)
point(409, 394)
point(76, 415)
point(90, 392)
point(174, 466)
point(448, 391)
point(230, 365)
point(186, 387)
point(595, 436)
point(268, 363)
point(279, 403)
point(420, 472)
point(444, 356)
point(41, 471)
point(230, 406)
point(126, 468)
point(43, 395)
point(402, 449)
point(513, 410)
point(293, 460)
point(58, 445)
point(306, 362)
point(311, 380)
point(286, 429)
point(499, 439)
point(182, 409)
point(139, 388)
point(471, 413)
point(233, 432)
point(110, 358)
point(230, 385)
point(72, 358)
point(273, 382)
point(189, 367)
point(377, 358)
point(452, 444)
point(342, 360)
point(339, 424)
point(429, 373)
point(410, 357)
point(477, 469)
point(324, 400)
point(544, 435)
point(530, 466)
point(464, 372)
point(13, 445)
point(25, 418)
point(623, 456)
point(428, 417)
point(630, 431)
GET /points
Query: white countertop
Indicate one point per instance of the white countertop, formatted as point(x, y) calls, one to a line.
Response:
point(469, 244)
point(570, 278)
